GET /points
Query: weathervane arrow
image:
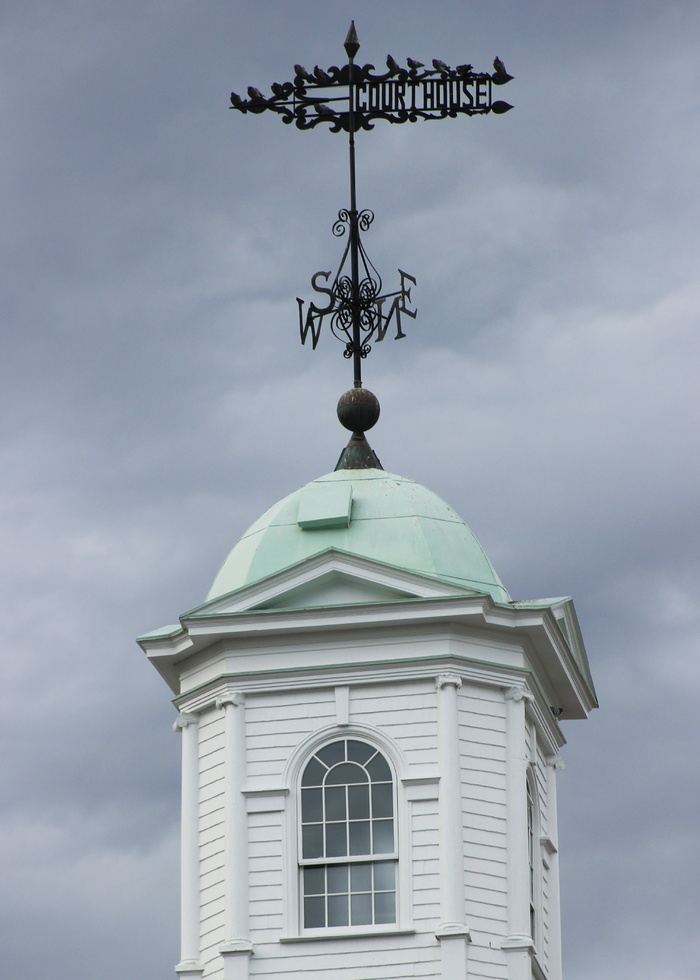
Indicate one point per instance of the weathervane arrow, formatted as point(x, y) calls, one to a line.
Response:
point(348, 99)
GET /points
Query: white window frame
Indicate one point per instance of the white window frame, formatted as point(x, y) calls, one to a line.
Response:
point(293, 928)
point(371, 857)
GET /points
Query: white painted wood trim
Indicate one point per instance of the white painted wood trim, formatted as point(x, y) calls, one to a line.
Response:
point(450, 810)
point(355, 932)
point(236, 919)
point(342, 705)
point(190, 964)
point(554, 763)
point(421, 788)
point(518, 943)
point(265, 800)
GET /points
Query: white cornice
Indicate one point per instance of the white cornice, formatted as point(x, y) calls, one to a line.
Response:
point(301, 679)
point(537, 627)
point(415, 610)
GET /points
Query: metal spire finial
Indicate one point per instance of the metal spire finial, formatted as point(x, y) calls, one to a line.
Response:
point(352, 43)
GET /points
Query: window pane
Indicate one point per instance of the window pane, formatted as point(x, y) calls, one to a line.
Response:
point(361, 910)
point(314, 881)
point(335, 803)
point(358, 802)
point(359, 837)
point(313, 774)
point(337, 878)
point(311, 809)
point(359, 751)
point(361, 877)
point(346, 772)
point(314, 913)
point(384, 876)
point(385, 907)
point(312, 840)
point(337, 910)
point(336, 840)
point(383, 800)
point(383, 833)
point(330, 754)
point(379, 770)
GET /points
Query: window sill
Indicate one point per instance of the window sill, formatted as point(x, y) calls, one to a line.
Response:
point(349, 933)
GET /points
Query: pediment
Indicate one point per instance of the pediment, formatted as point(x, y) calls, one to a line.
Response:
point(331, 578)
point(335, 589)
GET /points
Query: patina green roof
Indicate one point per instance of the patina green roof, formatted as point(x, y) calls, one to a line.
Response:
point(366, 512)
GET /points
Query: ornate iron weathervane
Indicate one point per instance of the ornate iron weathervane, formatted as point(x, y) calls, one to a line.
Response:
point(348, 99)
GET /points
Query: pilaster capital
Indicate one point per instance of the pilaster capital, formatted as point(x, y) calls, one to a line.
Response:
point(184, 720)
point(517, 943)
point(518, 694)
point(448, 680)
point(555, 761)
point(448, 930)
point(189, 968)
point(234, 947)
point(235, 698)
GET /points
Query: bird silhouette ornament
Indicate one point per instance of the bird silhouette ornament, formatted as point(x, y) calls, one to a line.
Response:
point(398, 95)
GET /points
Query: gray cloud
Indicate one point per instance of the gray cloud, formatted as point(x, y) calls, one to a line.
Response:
point(156, 401)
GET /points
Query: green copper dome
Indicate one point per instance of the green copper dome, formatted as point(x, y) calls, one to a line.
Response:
point(366, 512)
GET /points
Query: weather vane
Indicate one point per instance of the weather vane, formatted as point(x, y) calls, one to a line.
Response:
point(352, 98)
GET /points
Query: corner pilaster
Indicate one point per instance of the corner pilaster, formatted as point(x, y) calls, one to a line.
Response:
point(190, 964)
point(453, 931)
point(551, 857)
point(518, 944)
point(237, 947)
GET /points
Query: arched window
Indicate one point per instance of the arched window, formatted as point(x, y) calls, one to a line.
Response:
point(348, 837)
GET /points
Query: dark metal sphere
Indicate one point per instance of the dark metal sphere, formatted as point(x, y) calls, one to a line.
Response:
point(358, 409)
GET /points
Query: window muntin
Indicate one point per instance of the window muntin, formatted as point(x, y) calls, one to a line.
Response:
point(348, 837)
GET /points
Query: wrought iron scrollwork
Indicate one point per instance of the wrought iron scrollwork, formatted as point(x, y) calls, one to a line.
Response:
point(364, 220)
point(364, 304)
point(397, 95)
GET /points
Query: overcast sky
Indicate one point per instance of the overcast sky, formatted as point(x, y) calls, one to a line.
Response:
point(155, 400)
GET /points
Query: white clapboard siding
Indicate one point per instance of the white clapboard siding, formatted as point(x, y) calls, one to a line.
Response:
point(425, 865)
point(542, 776)
point(277, 723)
point(387, 708)
point(486, 962)
point(211, 837)
point(266, 881)
point(212, 940)
point(543, 946)
point(483, 766)
point(388, 958)
point(388, 705)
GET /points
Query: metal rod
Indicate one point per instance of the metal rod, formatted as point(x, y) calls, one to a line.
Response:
point(354, 230)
